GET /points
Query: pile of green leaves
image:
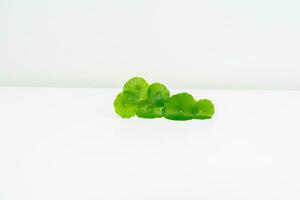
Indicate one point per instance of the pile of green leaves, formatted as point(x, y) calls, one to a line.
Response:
point(154, 101)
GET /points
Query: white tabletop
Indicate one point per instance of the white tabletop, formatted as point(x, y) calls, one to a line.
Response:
point(69, 144)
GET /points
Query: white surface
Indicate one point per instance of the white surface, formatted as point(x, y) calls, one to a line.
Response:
point(69, 144)
point(207, 43)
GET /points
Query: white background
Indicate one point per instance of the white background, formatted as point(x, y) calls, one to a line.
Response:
point(58, 143)
point(68, 144)
point(192, 44)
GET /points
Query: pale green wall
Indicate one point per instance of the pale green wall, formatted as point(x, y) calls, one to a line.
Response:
point(198, 44)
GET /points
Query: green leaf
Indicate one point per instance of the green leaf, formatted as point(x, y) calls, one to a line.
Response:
point(158, 94)
point(136, 89)
point(205, 109)
point(124, 107)
point(148, 110)
point(154, 101)
point(180, 107)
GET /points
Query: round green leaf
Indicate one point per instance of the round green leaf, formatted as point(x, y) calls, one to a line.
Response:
point(124, 107)
point(205, 109)
point(136, 89)
point(147, 110)
point(180, 107)
point(158, 94)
